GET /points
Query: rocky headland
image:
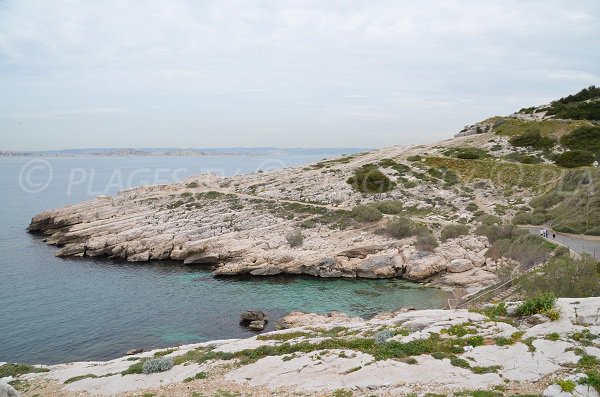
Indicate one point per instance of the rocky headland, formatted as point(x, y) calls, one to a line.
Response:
point(238, 225)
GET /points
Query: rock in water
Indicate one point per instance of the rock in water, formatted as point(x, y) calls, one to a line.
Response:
point(253, 315)
point(257, 325)
point(256, 320)
point(7, 390)
point(131, 352)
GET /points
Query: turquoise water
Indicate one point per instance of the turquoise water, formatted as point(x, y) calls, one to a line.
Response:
point(55, 310)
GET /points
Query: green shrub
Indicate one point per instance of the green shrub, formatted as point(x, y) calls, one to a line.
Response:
point(414, 158)
point(369, 179)
point(488, 220)
point(584, 138)
point(593, 379)
point(496, 232)
point(158, 364)
point(565, 277)
point(523, 158)
point(454, 231)
point(466, 153)
point(532, 139)
point(366, 213)
point(538, 304)
point(574, 159)
point(295, 238)
point(580, 106)
point(566, 385)
point(459, 362)
point(388, 207)
point(425, 240)
point(400, 227)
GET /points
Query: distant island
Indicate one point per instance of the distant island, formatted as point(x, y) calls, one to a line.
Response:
point(192, 152)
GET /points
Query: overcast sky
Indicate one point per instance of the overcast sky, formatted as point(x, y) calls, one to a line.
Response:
point(318, 73)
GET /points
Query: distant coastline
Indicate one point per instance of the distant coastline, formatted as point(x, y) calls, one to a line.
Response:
point(180, 152)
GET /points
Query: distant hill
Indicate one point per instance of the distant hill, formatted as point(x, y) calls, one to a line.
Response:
point(237, 151)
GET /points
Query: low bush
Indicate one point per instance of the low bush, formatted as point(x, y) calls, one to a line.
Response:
point(400, 227)
point(454, 231)
point(425, 240)
point(466, 153)
point(593, 379)
point(567, 385)
point(369, 179)
point(382, 336)
point(538, 304)
point(159, 364)
point(366, 213)
point(496, 232)
point(565, 277)
point(574, 159)
point(488, 220)
point(295, 238)
point(583, 138)
point(388, 207)
point(523, 158)
point(532, 139)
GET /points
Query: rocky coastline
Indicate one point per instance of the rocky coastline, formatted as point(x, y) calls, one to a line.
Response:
point(447, 352)
point(238, 225)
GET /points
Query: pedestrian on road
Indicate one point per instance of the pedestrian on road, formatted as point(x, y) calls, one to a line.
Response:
point(554, 236)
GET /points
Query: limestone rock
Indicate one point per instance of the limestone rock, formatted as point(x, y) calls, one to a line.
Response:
point(460, 265)
point(534, 320)
point(253, 315)
point(301, 319)
point(377, 267)
point(257, 325)
point(7, 390)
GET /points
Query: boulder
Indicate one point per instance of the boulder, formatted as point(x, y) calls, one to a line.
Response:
point(7, 390)
point(257, 325)
point(534, 320)
point(131, 352)
point(377, 267)
point(460, 265)
point(425, 267)
point(203, 258)
point(360, 252)
point(253, 315)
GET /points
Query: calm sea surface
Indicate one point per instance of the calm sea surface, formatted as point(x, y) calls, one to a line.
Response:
point(55, 310)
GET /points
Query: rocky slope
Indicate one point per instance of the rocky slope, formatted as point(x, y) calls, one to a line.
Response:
point(239, 224)
point(399, 354)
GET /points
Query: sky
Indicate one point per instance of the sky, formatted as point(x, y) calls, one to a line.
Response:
point(325, 73)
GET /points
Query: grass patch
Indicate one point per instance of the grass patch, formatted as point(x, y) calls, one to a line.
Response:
point(535, 177)
point(15, 370)
point(285, 336)
point(198, 376)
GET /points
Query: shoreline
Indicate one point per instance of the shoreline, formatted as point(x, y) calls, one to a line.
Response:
point(305, 370)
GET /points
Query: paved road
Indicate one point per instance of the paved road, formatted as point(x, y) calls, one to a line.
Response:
point(579, 245)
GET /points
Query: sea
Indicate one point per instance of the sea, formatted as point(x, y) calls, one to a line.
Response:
point(55, 310)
